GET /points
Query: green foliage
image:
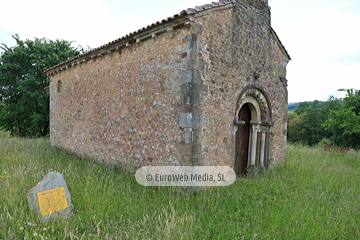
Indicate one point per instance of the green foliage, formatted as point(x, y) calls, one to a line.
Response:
point(312, 196)
point(301, 107)
point(305, 127)
point(4, 134)
point(352, 99)
point(345, 126)
point(335, 119)
point(293, 106)
point(313, 117)
point(296, 131)
point(323, 142)
point(24, 109)
point(344, 123)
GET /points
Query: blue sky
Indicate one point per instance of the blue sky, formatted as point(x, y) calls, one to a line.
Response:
point(321, 36)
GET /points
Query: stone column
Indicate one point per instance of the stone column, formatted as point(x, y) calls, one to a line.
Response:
point(262, 149)
point(259, 145)
point(255, 128)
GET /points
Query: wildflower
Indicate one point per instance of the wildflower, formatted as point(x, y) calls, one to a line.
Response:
point(44, 229)
point(35, 234)
point(21, 228)
point(31, 224)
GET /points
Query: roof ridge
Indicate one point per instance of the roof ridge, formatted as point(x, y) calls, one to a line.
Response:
point(188, 11)
point(203, 7)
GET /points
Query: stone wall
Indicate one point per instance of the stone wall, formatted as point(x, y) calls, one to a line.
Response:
point(234, 45)
point(171, 98)
point(123, 106)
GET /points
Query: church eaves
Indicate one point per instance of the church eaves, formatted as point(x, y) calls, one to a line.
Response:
point(150, 31)
point(177, 20)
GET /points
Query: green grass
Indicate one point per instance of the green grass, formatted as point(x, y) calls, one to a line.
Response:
point(4, 134)
point(314, 195)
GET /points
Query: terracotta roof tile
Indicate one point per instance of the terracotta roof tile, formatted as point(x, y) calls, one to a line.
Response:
point(188, 11)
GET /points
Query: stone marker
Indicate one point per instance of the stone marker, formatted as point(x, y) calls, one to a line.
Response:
point(50, 198)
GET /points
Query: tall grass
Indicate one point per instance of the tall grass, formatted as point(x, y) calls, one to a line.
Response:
point(314, 195)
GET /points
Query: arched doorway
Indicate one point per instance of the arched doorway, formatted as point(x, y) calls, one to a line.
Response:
point(253, 128)
point(242, 140)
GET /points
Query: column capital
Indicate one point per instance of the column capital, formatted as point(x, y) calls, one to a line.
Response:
point(266, 129)
point(239, 123)
point(253, 122)
point(261, 128)
point(269, 123)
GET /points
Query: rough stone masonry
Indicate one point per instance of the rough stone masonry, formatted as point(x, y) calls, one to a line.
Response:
point(204, 87)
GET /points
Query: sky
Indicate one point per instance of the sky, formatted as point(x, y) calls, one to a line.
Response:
point(321, 36)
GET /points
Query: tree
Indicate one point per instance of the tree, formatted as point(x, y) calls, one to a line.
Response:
point(296, 131)
point(292, 106)
point(352, 99)
point(312, 120)
point(25, 104)
point(344, 124)
point(301, 107)
point(306, 126)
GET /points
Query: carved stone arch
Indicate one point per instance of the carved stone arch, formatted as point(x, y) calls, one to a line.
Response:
point(260, 96)
point(260, 128)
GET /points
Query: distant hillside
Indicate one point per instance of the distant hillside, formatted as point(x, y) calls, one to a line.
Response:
point(292, 106)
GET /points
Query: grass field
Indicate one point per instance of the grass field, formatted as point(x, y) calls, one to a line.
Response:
point(314, 195)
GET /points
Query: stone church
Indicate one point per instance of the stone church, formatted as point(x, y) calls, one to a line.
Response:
point(206, 86)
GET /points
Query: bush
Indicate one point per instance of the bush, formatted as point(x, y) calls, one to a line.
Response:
point(323, 142)
point(4, 134)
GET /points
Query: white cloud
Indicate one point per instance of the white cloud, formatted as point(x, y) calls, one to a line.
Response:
point(313, 46)
point(192, 3)
point(321, 41)
point(88, 22)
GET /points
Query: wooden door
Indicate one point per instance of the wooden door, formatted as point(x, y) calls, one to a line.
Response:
point(242, 141)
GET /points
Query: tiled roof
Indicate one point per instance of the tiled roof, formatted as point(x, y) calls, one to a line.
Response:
point(208, 6)
point(188, 11)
